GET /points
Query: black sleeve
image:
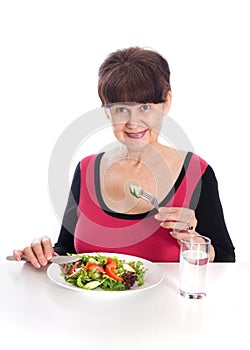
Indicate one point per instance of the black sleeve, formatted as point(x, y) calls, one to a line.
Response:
point(209, 213)
point(65, 243)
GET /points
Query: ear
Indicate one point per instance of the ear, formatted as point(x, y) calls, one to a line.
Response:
point(167, 104)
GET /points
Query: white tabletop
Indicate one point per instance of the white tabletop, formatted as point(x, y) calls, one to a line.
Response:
point(36, 313)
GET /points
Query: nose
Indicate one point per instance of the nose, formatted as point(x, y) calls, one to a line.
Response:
point(133, 119)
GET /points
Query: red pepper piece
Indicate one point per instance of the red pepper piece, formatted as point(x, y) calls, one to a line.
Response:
point(112, 272)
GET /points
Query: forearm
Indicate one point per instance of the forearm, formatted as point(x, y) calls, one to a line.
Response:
point(210, 218)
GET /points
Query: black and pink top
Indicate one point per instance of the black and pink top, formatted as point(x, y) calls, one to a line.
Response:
point(90, 226)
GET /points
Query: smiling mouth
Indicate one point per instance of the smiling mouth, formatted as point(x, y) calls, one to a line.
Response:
point(136, 135)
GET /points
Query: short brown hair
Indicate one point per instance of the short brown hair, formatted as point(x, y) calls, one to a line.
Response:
point(134, 75)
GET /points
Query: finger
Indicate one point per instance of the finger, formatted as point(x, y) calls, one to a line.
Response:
point(178, 226)
point(163, 216)
point(175, 214)
point(47, 248)
point(164, 212)
point(37, 249)
point(38, 252)
point(18, 254)
point(28, 252)
point(178, 234)
point(184, 215)
point(174, 225)
point(168, 209)
point(173, 218)
point(175, 210)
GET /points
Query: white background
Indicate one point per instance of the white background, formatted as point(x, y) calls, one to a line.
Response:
point(50, 55)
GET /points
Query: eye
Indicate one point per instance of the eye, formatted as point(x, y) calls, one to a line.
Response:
point(145, 108)
point(121, 110)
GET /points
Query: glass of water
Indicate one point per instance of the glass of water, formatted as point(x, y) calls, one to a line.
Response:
point(194, 259)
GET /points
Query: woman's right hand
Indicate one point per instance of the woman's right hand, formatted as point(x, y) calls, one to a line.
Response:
point(39, 253)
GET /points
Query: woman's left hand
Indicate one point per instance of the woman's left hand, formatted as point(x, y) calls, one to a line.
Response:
point(177, 220)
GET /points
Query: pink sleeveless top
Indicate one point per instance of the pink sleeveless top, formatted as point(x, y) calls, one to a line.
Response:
point(99, 229)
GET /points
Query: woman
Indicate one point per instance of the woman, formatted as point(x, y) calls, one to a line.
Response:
point(101, 214)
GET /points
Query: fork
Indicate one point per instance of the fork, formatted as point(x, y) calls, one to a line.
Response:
point(149, 197)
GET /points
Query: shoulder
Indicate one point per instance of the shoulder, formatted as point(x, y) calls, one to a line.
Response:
point(87, 159)
point(208, 177)
point(185, 157)
point(195, 157)
point(208, 169)
point(196, 162)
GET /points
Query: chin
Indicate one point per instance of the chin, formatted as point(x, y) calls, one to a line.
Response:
point(136, 145)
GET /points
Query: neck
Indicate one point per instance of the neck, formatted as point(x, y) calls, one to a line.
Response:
point(147, 155)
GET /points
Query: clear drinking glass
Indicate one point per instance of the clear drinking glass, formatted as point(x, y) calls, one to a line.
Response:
point(194, 260)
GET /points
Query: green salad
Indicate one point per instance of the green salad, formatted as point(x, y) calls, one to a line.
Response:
point(105, 272)
point(136, 191)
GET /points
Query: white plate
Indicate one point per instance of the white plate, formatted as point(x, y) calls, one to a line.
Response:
point(153, 276)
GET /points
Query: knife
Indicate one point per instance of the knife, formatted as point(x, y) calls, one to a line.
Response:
point(58, 259)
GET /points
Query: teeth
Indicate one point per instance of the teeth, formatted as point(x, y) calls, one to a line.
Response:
point(136, 135)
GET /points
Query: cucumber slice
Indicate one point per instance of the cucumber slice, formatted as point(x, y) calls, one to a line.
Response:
point(136, 191)
point(93, 261)
point(92, 285)
point(127, 267)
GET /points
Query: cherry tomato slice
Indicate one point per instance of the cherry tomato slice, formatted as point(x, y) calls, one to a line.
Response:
point(73, 268)
point(94, 267)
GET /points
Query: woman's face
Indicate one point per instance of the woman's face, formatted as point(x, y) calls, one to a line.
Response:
point(137, 125)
